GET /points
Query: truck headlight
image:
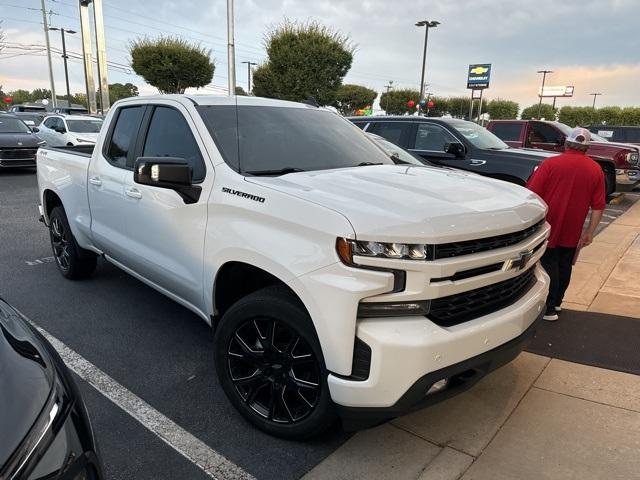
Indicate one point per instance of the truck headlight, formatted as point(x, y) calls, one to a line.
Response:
point(632, 158)
point(347, 249)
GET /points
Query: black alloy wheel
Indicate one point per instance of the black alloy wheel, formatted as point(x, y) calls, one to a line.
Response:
point(274, 370)
point(60, 244)
point(271, 367)
point(73, 261)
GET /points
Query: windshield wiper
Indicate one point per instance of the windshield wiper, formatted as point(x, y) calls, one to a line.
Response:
point(366, 164)
point(277, 171)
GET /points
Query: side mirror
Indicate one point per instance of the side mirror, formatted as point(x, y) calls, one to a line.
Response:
point(35, 129)
point(173, 173)
point(61, 130)
point(455, 148)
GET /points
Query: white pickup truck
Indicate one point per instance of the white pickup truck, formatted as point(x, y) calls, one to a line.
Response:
point(339, 280)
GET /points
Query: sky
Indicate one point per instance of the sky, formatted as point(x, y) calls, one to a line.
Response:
point(591, 44)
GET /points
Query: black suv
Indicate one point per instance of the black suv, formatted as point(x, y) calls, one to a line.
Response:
point(456, 143)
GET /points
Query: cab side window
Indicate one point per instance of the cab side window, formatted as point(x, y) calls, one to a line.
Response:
point(169, 135)
point(119, 151)
point(50, 122)
point(432, 137)
point(395, 132)
point(543, 133)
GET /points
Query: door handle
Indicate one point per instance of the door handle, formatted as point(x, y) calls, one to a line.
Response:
point(133, 193)
point(478, 162)
point(95, 181)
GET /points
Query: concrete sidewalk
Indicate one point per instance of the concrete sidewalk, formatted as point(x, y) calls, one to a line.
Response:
point(536, 418)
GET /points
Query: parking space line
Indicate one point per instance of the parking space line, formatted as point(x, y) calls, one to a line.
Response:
point(208, 460)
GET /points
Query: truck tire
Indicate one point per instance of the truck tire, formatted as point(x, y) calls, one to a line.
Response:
point(271, 367)
point(609, 181)
point(73, 262)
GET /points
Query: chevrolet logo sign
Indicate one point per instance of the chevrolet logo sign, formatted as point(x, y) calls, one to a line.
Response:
point(479, 70)
point(519, 263)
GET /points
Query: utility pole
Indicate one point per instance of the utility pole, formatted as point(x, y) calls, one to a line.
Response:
point(544, 76)
point(46, 38)
point(87, 56)
point(101, 51)
point(427, 24)
point(231, 52)
point(388, 87)
point(249, 75)
point(65, 56)
point(594, 99)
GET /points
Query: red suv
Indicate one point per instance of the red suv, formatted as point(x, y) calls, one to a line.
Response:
point(544, 135)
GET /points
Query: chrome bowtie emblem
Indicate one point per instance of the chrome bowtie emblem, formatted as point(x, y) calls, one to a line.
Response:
point(518, 263)
point(20, 143)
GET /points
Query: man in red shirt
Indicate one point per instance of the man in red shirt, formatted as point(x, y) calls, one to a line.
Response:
point(570, 184)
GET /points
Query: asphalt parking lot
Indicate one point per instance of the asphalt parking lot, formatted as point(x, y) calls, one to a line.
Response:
point(151, 346)
point(155, 348)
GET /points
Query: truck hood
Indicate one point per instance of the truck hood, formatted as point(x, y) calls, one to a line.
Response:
point(397, 203)
point(531, 154)
point(18, 140)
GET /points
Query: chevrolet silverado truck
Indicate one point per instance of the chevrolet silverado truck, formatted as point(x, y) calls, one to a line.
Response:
point(619, 158)
point(456, 143)
point(338, 280)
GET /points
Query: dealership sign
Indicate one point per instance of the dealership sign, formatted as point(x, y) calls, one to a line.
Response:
point(564, 91)
point(478, 76)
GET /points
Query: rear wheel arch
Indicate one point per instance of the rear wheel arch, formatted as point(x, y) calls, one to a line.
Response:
point(50, 200)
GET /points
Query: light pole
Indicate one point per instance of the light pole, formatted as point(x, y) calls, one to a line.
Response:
point(544, 76)
point(65, 56)
point(231, 49)
point(388, 87)
point(249, 75)
point(594, 99)
point(427, 24)
point(46, 37)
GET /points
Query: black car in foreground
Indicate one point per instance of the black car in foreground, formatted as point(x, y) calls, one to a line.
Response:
point(44, 427)
point(456, 143)
point(18, 142)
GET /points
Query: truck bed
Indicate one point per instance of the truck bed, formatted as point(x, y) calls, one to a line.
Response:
point(84, 150)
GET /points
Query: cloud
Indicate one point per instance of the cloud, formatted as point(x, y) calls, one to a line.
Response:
point(591, 44)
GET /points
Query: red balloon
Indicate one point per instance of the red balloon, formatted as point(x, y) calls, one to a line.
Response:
point(411, 104)
point(430, 104)
point(8, 99)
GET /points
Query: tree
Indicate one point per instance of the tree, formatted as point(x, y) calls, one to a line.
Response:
point(20, 96)
point(546, 111)
point(630, 116)
point(171, 64)
point(396, 102)
point(350, 98)
point(458, 107)
point(304, 59)
point(610, 115)
point(499, 109)
point(440, 107)
point(578, 116)
point(119, 90)
point(240, 91)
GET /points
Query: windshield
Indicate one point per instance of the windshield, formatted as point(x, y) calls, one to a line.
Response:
point(566, 130)
point(279, 140)
point(84, 126)
point(479, 136)
point(12, 125)
point(393, 150)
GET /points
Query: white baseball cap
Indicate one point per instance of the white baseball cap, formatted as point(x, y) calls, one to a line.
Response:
point(579, 135)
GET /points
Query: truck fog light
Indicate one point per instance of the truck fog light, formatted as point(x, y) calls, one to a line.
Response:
point(438, 386)
point(392, 309)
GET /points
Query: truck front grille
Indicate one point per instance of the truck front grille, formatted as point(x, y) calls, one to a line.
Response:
point(455, 249)
point(455, 309)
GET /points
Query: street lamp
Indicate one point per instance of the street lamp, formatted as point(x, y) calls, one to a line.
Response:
point(249, 75)
point(427, 24)
point(544, 76)
point(65, 56)
point(594, 99)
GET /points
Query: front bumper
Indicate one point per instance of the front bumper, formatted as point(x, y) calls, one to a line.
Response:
point(406, 350)
point(460, 377)
point(627, 179)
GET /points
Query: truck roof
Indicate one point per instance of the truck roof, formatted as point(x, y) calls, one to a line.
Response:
point(223, 100)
